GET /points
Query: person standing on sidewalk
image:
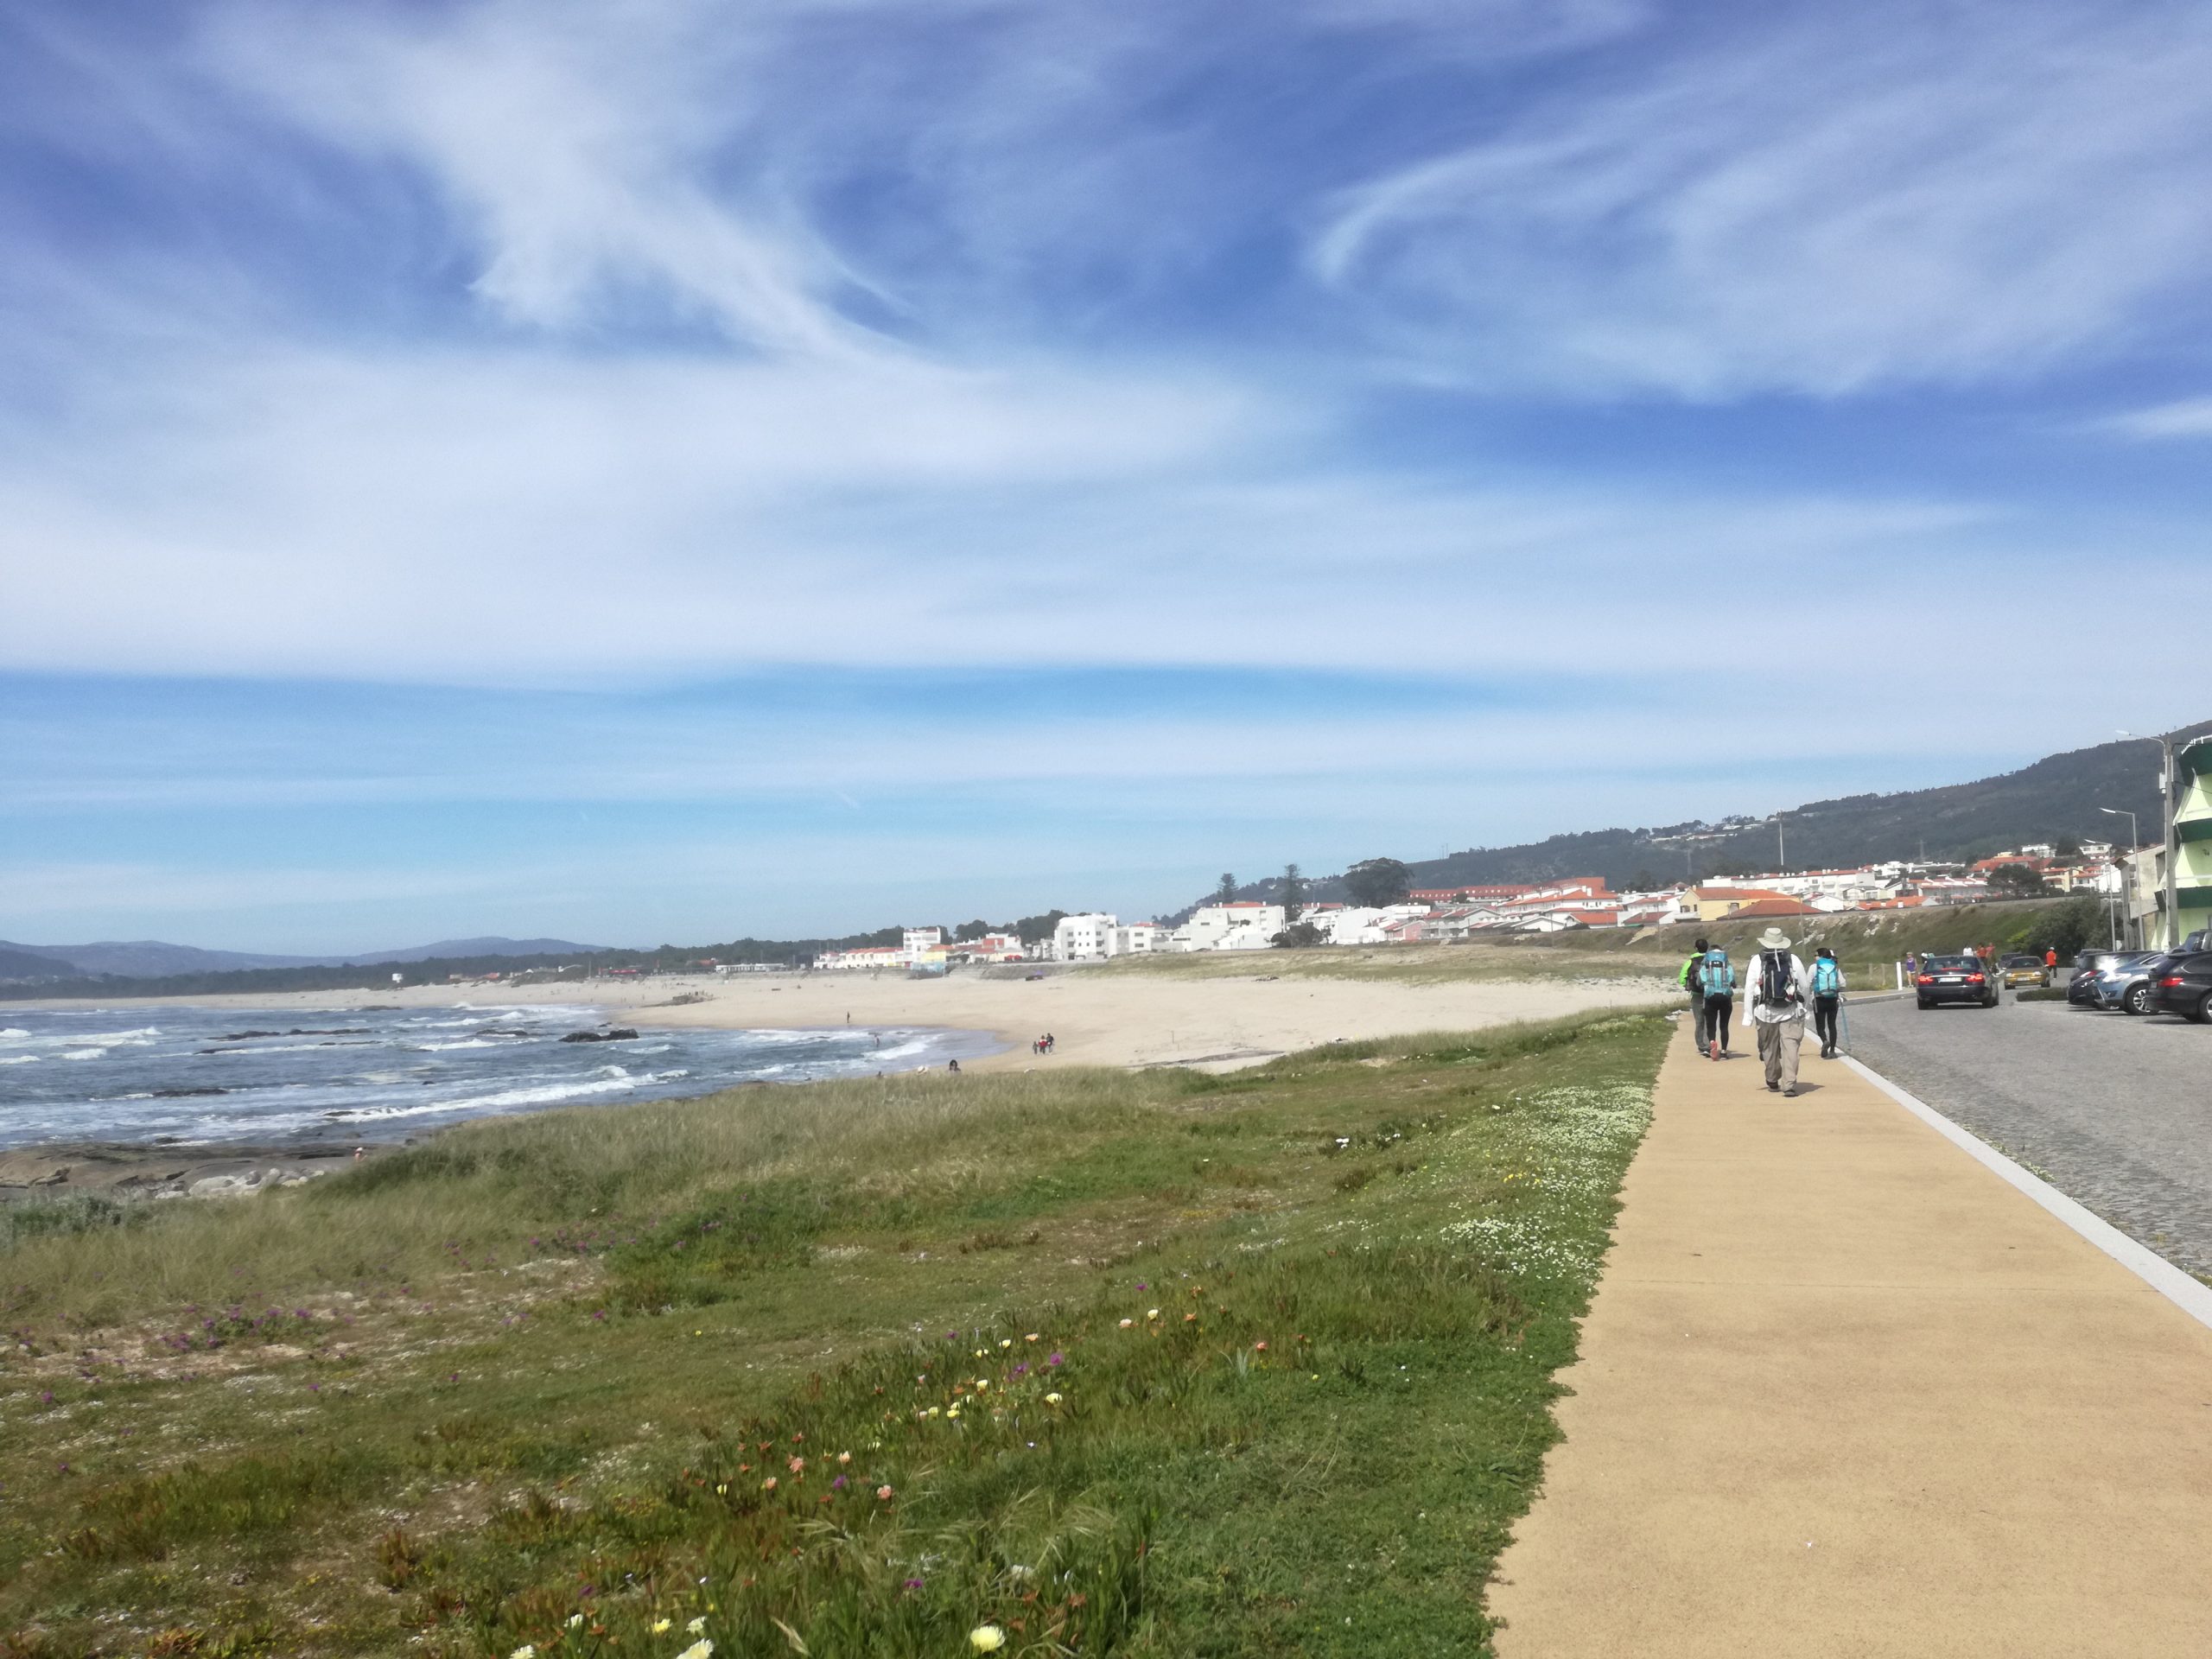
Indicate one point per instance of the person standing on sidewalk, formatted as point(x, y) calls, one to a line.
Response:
point(1716, 977)
point(1779, 989)
point(1691, 985)
point(1827, 998)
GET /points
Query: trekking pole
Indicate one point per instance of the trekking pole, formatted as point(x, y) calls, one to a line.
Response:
point(1843, 1024)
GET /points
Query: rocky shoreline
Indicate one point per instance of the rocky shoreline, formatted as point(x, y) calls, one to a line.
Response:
point(132, 1172)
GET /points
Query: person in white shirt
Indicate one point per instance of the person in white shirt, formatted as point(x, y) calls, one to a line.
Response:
point(1781, 991)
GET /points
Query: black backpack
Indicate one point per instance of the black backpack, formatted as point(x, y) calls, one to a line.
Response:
point(1777, 979)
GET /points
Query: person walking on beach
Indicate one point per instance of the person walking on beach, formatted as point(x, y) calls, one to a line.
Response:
point(1827, 998)
point(1688, 980)
point(1716, 977)
point(1779, 989)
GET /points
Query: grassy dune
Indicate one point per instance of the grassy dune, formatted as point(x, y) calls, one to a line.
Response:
point(1120, 1363)
point(1489, 960)
point(1867, 942)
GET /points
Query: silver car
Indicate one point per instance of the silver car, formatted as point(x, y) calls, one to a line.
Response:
point(2112, 979)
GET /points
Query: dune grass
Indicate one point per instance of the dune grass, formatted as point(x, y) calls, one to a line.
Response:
point(1141, 1363)
point(1482, 961)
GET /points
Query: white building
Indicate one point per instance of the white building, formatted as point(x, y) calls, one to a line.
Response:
point(1360, 924)
point(1135, 939)
point(1087, 938)
point(1247, 924)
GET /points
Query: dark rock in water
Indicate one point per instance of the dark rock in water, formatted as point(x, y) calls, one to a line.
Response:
point(180, 1094)
point(619, 1035)
point(241, 1036)
point(504, 1031)
point(322, 1031)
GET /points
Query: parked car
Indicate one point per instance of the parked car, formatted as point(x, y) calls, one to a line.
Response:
point(2181, 983)
point(2113, 979)
point(1954, 979)
point(2022, 969)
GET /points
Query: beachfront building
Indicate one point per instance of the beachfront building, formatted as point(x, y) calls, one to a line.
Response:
point(1135, 939)
point(1360, 924)
point(991, 947)
point(1085, 937)
point(1245, 925)
point(860, 957)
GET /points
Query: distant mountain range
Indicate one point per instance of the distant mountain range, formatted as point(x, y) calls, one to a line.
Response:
point(2055, 797)
point(153, 959)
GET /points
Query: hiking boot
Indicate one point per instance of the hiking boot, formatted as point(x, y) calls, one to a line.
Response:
point(1776, 1089)
point(1790, 1093)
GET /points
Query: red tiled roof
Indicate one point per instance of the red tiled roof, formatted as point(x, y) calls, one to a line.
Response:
point(1770, 906)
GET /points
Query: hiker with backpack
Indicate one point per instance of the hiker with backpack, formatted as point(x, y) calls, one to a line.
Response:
point(1779, 989)
point(1827, 998)
point(1687, 980)
point(1716, 978)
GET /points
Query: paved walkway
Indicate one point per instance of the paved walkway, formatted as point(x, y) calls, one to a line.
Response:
point(1843, 1391)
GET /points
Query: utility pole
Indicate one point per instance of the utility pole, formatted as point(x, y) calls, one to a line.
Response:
point(2128, 885)
point(1780, 851)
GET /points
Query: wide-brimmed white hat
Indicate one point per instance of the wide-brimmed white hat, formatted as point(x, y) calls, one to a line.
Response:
point(1773, 939)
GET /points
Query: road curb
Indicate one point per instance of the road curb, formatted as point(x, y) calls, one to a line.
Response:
point(2192, 1295)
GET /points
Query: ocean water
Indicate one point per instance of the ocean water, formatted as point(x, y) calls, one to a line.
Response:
point(167, 1074)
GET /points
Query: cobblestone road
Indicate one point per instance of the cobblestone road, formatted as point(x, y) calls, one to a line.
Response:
point(2115, 1112)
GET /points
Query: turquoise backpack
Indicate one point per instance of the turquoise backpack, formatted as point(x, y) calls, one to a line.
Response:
point(1828, 977)
point(1715, 977)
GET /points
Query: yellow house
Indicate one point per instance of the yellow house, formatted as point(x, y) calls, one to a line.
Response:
point(1718, 904)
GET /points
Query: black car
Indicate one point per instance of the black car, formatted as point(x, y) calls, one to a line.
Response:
point(2181, 983)
point(1954, 979)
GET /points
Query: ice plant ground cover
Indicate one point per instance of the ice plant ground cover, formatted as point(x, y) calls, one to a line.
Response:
point(1142, 1364)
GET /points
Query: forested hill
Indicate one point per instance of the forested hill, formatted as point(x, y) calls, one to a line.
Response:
point(2055, 796)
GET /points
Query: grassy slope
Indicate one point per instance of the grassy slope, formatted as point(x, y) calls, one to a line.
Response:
point(542, 1369)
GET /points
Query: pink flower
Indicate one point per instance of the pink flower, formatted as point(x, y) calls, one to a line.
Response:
point(883, 1494)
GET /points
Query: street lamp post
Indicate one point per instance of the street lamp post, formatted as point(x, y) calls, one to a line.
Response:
point(2134, 843)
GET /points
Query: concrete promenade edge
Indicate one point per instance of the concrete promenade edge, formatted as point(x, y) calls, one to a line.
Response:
point(1843, 1391)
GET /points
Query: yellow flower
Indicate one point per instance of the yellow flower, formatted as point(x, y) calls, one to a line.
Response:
point(1126, 1324)
point(661, 1625)
point(1052, 1399)
point(1006, 1342)
point(525, 1651)
point(696, 1625)
point(986, 1638)
point(700, 1649)
point(982, 1383)
point(1152, 1313)
point(574, 1619)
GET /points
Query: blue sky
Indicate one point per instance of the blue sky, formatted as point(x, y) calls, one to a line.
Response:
point(645, 470)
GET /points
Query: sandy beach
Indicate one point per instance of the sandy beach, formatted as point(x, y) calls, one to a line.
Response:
point(1097, 1019)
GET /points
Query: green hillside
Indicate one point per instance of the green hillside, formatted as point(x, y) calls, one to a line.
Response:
point(2055, 796)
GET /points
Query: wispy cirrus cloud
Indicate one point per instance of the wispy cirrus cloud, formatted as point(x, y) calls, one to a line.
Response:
point(2187, 417)
point(1813, 200)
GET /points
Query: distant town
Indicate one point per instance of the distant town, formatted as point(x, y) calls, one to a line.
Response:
point(2127, 880)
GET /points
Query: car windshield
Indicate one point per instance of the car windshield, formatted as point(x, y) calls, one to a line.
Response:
point(2024, 961)
point(1954, 964)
